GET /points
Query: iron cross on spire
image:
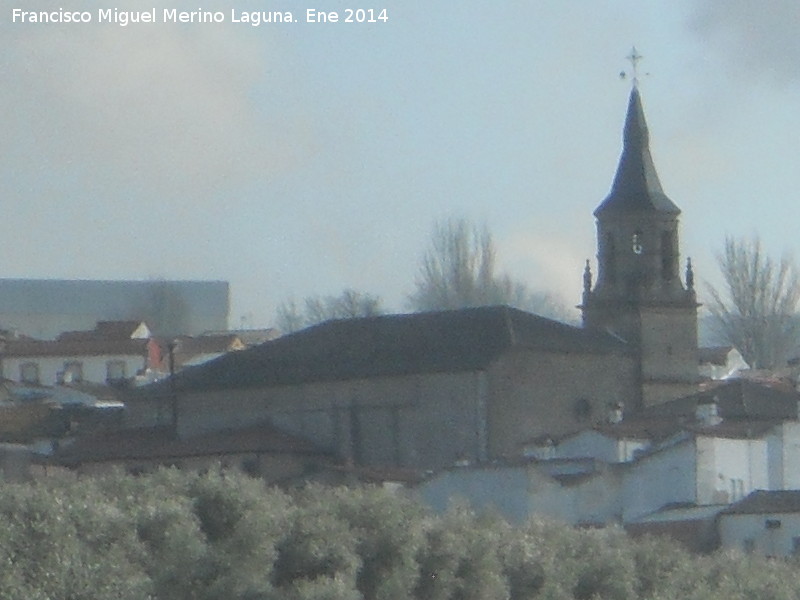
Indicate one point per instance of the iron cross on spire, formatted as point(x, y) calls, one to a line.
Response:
point(634, 57)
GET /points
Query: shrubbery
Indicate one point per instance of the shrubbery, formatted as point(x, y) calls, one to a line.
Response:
point(172, 535)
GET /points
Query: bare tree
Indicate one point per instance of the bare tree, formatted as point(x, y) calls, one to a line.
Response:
point(458, 271)
point(758, 311)
point(349, 304)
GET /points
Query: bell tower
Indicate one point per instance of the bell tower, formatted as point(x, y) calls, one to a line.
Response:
point(639, 295)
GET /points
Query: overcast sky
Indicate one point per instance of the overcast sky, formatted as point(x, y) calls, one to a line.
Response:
point(298, 159)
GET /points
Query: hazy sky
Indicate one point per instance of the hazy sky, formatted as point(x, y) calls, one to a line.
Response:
point(297, 159)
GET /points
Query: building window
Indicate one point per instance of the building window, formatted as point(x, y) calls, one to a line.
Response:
point(749, 545)
point(737, 489)
point(29, 372)
point(668, 259)
point(115, 371)
point(796, 545)
point(73, 372)
point(636, 243)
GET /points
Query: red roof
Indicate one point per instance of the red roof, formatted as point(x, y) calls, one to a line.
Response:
point(87, 347)
point(108, 330)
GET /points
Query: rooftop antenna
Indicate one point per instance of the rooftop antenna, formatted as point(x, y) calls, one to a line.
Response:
point(634, 57)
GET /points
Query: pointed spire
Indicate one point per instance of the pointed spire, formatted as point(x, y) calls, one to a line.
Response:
point(636, 186)
point(587, 278)
point(689, 275)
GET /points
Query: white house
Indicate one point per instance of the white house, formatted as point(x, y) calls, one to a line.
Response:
point(112, 353)
point(582, 491)
point(697, 467)
point(766, 522)
point(611, 443)
point(720, 362)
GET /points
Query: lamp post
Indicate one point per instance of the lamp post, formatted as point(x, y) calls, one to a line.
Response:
point(172, 392)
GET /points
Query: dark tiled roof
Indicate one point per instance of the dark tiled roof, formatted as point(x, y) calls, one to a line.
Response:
point(104, 330)
point(714, 355)
point(249, 337)
point(636, 186)
point(736, 399)
point(640, 429)
point(766, 501)
point(159, 444)
point(735, 429)
point(205, 344)
point(448, 341)
point(663, 427)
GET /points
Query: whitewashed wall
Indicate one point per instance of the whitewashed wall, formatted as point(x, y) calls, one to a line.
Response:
point(735, 531)
point(729, 469)
point(519, 492)
point(95, 368)
point(597, 445)
point(783, 454)
point(665, 477)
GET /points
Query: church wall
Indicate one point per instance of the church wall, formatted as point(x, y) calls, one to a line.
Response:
point(535, 393)
point(420, 421)
point(669, 354)
point(659, 392)
point(669, 344)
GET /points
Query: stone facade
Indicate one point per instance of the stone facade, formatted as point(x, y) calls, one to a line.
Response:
point(547, 393)
point(418, 420)
point(639, 294)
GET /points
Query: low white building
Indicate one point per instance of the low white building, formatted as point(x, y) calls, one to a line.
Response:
point(766, 522)
point(112, 353)
point(720, 362)
point(581, 492)
point(670, 469)
point(714, 465)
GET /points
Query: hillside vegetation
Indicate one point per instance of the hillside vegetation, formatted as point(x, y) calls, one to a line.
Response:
point(172, 535)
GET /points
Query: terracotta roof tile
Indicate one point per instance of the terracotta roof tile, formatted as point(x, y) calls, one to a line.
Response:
point(87, 347)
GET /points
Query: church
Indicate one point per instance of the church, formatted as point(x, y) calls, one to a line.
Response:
point(639, 295)
point(478, 385)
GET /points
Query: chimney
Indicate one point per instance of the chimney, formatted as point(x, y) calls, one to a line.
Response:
point(615, 413)
point(707, 412)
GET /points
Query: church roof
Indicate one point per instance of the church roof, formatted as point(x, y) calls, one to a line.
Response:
point(636, 187)
point(392, 345)
point(735, 399)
